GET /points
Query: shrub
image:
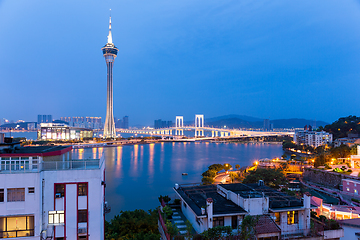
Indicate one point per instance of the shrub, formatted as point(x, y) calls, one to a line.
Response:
point(177, 201)
point(355, 200)
point(327, 166)
point(167, 211)
point(349, 170)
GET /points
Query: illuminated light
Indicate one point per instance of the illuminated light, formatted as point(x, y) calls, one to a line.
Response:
point(256, 163)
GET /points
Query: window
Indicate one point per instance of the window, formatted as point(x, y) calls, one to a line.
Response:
point(31, 190)
point(234, 222)
point(2, 195)
point(56, 217)
point(59, 190)
point(277, 218)
point(218, 221)
point(347, 189)
point(355, 191)
point(292, 217)
point(82, 216)
point(20, 226)
point(15, 194)
point(34, 164)
point(82, 189)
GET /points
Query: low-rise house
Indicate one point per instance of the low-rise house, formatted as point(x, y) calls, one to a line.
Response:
point(208, 206)
point(351, 229)
point(336, 212)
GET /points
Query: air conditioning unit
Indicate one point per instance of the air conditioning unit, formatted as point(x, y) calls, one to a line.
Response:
point(82, 230)
point(57, 195)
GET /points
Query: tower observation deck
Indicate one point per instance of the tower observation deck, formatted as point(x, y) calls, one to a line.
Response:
point(110, 53)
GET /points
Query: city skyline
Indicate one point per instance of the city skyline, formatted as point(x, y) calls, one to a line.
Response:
point(275, 59)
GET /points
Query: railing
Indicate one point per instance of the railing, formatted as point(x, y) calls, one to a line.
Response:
point(162, 223)
point(28, 167)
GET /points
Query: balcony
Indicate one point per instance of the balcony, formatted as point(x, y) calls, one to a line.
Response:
point(16, 167)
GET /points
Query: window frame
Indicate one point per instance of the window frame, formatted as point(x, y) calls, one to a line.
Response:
point(29, 222)
point(83, 216)
point(277, 218)
point(82, 189)
point(56, 215)
point(218, 221)
point(60, 188)
point(31, 190)
point(292, 217)
point(14, 193)
point(2, 195)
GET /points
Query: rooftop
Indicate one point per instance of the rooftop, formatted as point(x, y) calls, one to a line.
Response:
point(266, 224)
point(195, 196)
point(277, 200)
point(35, 151)
point(355, 222)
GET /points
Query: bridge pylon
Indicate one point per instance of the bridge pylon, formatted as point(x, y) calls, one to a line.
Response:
point(199, 123)
point(179, 123)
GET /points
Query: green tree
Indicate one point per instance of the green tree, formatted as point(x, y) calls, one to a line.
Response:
point(227, 167)
point(209, 173)
point(167, 211)
point(247, 227)
point(343, 151)
point(233, 176)
point(216, 167)
point(237, 166)
point(344, 126)
point(172, 229)
point(207, 180)
point(189, 229)
point(271, 177)
point(166, 198)
point(217, 232)
point(137, 224)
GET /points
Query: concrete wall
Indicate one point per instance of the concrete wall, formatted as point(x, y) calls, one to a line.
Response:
point(328, 179)
point(349, 233)
point(191, 216)
point(300, 227)
point(31, 205)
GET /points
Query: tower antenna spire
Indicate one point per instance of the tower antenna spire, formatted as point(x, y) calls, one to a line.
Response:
point(110, 36)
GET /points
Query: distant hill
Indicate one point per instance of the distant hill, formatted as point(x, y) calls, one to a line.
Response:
point(237, 122)
point(234, 116)
point(296, 123)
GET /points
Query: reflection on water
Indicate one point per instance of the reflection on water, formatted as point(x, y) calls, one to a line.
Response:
point(137, 174)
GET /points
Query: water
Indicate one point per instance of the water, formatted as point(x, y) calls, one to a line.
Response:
point(27, 135)
point(137, 175)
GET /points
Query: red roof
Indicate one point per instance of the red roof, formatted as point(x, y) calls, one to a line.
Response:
point(316, 201)
point(266, 224)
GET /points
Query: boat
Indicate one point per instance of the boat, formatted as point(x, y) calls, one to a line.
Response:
point(184, 174)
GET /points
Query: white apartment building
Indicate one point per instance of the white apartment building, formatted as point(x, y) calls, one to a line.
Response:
point(44, 195)
point(312, 138)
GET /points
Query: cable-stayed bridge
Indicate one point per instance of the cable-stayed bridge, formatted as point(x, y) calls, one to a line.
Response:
point(199, 130)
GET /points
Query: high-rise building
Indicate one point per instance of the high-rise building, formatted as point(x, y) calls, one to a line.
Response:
point(312, 138)
point(44, 119)
point(110, 53)
point(126, 122)
point(162, 124)
point(267, 125)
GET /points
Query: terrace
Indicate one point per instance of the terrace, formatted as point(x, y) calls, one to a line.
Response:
point(26, 166)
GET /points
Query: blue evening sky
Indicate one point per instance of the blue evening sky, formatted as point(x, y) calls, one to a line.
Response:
point(262, 58)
